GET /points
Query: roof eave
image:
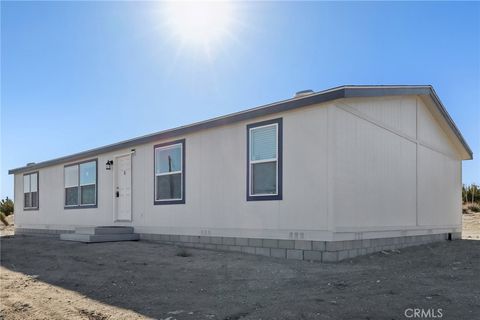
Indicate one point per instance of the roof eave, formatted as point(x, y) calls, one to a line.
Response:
point(281, 106)
point(451, 123)
point(423, 90)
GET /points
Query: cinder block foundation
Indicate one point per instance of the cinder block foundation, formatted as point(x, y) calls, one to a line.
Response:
point(324, 251)
point(51, 233)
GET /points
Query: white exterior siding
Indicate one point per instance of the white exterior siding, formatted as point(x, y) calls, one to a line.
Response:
point(350, 166)
point(431, 134)
point(216, 182)
point(374, 175)
point(381, 181)
point(215, 186)
point(397, 112)
point(439, 189)
point(439, 174)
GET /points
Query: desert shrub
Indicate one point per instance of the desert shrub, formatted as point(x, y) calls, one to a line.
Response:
point(6, 206)
point(474, 207)
point(464, 211)
point(182, 252)
point(2, 218)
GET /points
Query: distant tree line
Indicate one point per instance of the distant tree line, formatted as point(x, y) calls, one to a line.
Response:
point(471, 193)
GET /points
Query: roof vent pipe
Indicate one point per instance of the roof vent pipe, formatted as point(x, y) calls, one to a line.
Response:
point(30, 164)
point(303, 93)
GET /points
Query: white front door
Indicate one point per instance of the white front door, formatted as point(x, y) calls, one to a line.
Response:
point(123, 188)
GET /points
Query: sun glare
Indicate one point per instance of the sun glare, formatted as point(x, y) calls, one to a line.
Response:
point(203, 24)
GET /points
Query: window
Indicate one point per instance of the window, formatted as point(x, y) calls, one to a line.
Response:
point(30, 191)
point(169, 169)
point(264, 160)
point(81, 185)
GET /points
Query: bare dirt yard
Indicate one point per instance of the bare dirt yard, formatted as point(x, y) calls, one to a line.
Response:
point(471, 226)
point(45, 278)
point(7, 230)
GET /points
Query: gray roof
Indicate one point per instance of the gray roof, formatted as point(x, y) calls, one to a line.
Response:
point(294, 103)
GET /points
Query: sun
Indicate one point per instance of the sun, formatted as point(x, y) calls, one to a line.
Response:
point(201, 24)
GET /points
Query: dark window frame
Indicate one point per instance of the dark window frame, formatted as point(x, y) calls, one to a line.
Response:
point(176, 201)
point(279, 195)
point(79, 205)
point(38, 191)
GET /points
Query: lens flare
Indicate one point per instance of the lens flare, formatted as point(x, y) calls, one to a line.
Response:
point(200, 24)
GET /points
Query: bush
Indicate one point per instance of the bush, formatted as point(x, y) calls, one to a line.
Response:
point(474, 207)
point(182, 252)
point(2, 218)
point(6, 206)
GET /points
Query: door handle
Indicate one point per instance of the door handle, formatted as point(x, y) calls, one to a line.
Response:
point(117, 194)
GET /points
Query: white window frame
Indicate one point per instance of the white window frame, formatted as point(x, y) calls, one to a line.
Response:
point(252, 162)
point(79, 186)
point(30, 191)
point(171, 146)
point(65, 186)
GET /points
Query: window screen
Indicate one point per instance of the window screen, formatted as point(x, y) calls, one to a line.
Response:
point(169, 173)
point(264, 161)
point(30, 191)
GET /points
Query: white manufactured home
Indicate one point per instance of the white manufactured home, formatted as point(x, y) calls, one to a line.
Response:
point(322, 176)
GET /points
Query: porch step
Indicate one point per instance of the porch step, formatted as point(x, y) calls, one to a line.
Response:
point(104, 230)
point(101, 234)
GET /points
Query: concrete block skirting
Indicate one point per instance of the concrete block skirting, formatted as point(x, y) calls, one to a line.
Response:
point(52, 233)
point(325, 251)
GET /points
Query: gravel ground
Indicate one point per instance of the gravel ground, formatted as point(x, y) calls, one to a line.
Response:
point(50, 279)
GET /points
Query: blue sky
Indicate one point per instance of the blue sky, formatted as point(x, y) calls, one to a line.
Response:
point(78, 75)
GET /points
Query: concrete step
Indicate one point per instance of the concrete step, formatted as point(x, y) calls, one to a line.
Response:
point(89, 238)
point(104, 230)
